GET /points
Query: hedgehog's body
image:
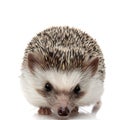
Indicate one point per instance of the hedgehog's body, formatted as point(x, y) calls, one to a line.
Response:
point(56, 55)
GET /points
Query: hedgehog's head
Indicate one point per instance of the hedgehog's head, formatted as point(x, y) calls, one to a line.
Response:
point(61, 90)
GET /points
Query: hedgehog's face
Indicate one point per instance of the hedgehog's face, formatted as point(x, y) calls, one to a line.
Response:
point(62, 91)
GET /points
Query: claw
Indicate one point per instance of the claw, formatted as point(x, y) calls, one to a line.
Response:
point(75, 110)
point(44, 111)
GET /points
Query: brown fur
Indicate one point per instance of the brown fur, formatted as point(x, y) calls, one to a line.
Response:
point(41, 92)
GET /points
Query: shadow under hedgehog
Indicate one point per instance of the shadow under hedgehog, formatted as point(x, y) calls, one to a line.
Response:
point(63, 69)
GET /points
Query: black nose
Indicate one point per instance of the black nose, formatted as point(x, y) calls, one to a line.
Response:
point(63, 111)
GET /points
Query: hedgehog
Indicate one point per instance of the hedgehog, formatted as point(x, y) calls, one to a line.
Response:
point(63, 70)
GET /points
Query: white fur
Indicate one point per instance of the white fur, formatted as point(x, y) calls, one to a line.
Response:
point(62, 81)
point(28, 83)
point(93, 94)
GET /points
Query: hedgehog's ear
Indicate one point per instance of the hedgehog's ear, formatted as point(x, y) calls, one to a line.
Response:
point(91, 66)
point(35, 61)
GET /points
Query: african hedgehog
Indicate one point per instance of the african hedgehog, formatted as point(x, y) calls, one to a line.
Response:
point(63, 69)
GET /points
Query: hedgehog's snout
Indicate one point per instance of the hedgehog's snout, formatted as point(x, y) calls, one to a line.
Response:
point(63, 111)
point(62, 106)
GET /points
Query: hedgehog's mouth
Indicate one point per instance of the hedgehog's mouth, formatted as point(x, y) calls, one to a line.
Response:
point(62, 112)
point(65, 112)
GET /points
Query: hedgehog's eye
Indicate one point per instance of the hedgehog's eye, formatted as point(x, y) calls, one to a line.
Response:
point(77, 89)
point(48, 87)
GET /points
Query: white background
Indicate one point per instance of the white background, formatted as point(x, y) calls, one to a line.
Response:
point(20, 20)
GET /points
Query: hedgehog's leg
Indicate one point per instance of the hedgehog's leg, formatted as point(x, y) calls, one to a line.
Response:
point(96, 107)
point(44, 111)
point(75, 110)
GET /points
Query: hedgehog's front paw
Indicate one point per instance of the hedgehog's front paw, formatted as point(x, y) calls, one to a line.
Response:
point(44, 111)
point(75, 110)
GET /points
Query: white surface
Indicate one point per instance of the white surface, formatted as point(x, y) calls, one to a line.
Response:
point(20, 20)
